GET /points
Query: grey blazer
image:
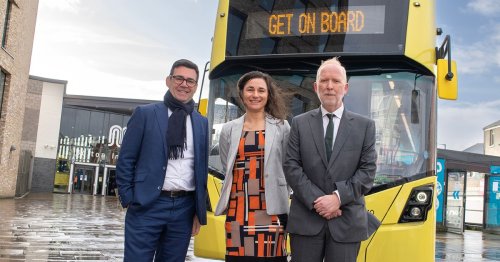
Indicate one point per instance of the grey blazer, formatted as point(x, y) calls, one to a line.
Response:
point(351, 171)
point(277, 191)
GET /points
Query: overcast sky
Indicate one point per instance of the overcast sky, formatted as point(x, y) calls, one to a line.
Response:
point(124, 48)
point(120, 48)
point(474, 26)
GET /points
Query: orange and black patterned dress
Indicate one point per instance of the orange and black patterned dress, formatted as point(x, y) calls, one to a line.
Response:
point(252, 234)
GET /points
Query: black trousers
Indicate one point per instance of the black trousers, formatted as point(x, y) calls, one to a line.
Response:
point(322, 246)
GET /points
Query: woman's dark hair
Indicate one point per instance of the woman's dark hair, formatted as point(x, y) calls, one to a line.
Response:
point(275, 105)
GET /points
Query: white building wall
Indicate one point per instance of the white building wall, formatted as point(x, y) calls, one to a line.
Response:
point(49, 121)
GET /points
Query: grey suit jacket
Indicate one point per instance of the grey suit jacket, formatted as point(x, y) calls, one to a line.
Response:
point(277, 192)
point(351, 171)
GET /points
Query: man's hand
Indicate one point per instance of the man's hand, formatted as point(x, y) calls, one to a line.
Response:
point(328, 206)
point(196, 226)
point(335, 214)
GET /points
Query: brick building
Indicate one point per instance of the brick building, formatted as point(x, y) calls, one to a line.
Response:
point(70, 143)
point(492, 139)
point(17, 24)
point(42, 118)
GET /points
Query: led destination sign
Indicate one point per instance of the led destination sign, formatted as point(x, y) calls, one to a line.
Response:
point(355, 20)
point(289, 27)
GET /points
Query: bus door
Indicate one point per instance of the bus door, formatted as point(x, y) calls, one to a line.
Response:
point(455, 202)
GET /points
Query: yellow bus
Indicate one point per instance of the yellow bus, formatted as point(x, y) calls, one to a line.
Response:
point(395, 73)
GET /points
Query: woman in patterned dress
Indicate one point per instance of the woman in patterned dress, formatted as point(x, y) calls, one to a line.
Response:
point(255, 195)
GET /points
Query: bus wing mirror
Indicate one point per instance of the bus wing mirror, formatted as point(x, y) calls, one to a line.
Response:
point(447, 84)
point(415, 106)
point(203, 106)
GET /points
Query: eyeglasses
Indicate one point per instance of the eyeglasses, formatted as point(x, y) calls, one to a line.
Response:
point(180, 79)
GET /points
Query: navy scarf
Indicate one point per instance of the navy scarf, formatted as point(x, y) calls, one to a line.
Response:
point(176, 132)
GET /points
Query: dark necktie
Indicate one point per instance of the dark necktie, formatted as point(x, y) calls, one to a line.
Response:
point(329, 136)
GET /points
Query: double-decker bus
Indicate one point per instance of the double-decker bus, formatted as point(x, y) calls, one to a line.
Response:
point(395, 75)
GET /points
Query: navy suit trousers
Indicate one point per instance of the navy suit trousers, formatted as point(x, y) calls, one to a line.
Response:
point(160, 231)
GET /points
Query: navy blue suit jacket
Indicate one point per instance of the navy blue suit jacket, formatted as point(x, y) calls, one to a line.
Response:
point(140, 171)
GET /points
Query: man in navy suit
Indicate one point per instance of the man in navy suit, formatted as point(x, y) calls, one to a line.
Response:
point(158, 180)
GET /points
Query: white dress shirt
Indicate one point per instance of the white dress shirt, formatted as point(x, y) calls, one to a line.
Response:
point(336, 122)
point(180, 172)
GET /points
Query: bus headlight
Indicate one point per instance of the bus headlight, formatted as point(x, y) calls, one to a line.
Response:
point(422, 197)
point(418, 205)
point(415, 212)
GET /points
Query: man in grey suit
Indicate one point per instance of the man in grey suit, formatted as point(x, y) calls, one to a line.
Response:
point(330, 165)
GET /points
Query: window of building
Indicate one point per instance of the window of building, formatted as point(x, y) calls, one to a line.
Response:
point(6, 23)
point(2, 88)
point(492, 137)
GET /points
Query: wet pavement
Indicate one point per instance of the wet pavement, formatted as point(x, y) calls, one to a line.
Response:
point(62, 227)
point(471, 246)
point(45, 227)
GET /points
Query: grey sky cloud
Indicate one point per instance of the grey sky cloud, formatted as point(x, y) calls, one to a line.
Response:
point(472, 59)
point(485, 7)
point(71, 6)
point(118, 48)
point(460, 125)
point(481, 55)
